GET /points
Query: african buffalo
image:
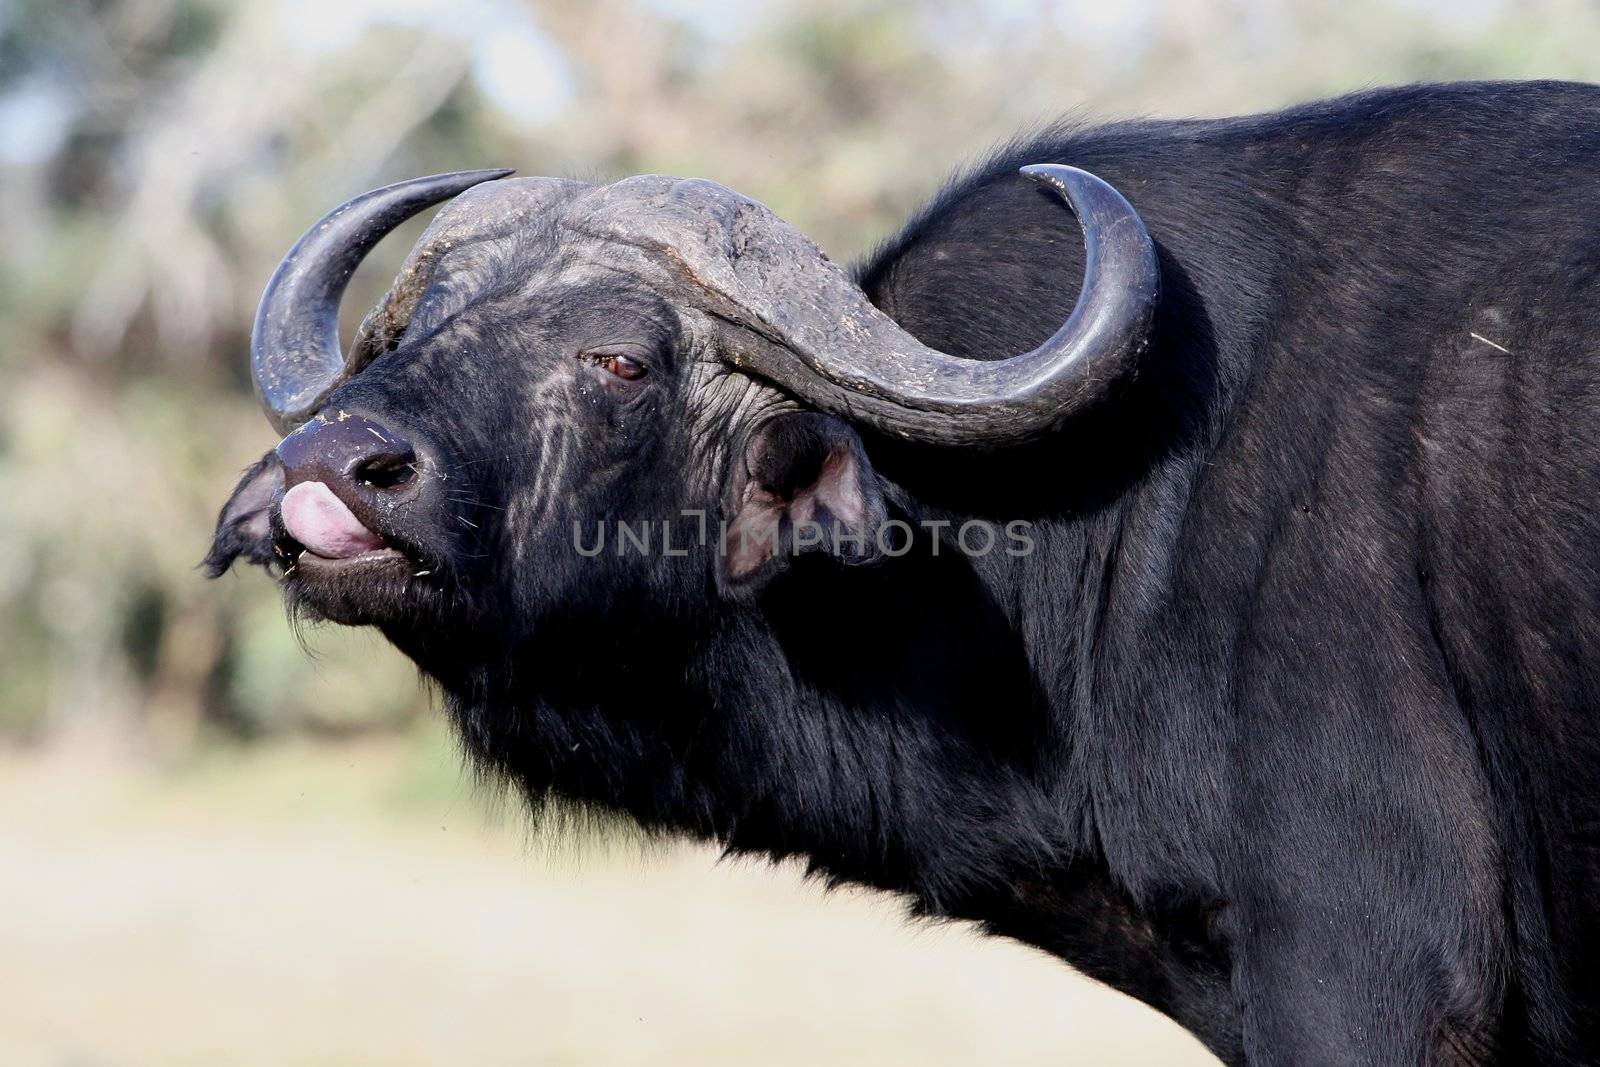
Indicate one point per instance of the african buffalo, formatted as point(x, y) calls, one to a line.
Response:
point(1273, 701)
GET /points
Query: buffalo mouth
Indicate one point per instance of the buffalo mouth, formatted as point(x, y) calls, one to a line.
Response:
point(335, 558)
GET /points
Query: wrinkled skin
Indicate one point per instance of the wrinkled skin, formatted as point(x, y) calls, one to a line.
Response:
point(1285, 727)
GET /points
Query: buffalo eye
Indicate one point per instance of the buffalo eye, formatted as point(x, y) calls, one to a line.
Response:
point(625, 365)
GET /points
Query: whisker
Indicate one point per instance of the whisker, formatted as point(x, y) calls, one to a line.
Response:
point(472, 502)
point(504, 455)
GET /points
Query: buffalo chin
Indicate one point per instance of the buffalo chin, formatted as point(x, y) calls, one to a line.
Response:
point(374, 587)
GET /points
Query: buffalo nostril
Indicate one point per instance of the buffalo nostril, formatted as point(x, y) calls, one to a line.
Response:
point(389, 471)
point(353, 451)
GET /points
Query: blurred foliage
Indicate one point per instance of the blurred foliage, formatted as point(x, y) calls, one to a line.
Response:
point(157, 157)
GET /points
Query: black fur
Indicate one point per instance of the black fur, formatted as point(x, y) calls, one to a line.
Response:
point(1286, 726)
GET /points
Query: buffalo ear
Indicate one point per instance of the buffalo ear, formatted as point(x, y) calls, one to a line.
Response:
point(801, 483)
point(244, 526)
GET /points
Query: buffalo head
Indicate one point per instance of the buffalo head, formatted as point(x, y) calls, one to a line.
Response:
point(557, 356)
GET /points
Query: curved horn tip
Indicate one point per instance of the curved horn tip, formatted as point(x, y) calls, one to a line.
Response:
point(1045, 172)
point(295, 356)
point(485, 174)
point(1060, 178)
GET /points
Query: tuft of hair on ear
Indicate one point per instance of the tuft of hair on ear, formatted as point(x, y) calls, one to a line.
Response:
point(244, 525)
point(801, 483)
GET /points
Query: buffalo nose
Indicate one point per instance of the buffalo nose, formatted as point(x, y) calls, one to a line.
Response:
point(354, 453)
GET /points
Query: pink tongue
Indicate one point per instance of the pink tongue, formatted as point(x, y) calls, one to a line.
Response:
point(320, 521)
